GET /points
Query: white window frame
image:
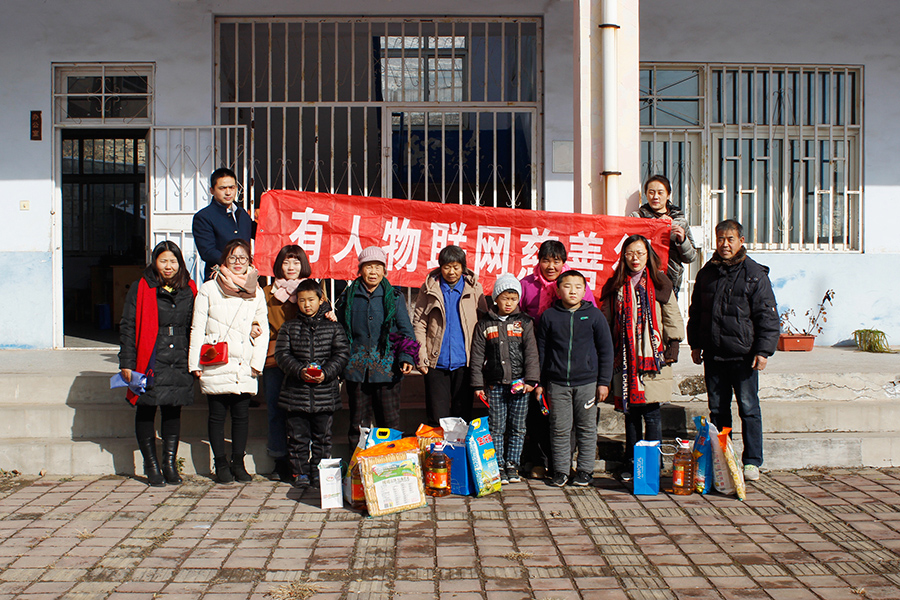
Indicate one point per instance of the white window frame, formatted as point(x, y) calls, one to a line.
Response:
point(332, 172)
point(61, 95)
point(838, 200)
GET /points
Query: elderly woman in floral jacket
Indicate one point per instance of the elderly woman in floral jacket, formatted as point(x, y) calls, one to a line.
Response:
point(382, 346)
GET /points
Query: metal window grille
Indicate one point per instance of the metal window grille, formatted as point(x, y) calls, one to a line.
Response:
point(783, 148)
point(433, 109)
point(93, 94)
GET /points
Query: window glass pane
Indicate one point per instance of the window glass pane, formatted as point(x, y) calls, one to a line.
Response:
point(84, 85)
point(83, 108)
point(125, 85)
point(126, 107)
point(646, 77)
point(677, 83)
point(672, 113)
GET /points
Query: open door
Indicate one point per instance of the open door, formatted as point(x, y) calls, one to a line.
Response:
point(104, 229)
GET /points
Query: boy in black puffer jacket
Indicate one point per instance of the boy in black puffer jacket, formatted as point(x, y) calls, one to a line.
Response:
point(312, 351)
point(505, 369)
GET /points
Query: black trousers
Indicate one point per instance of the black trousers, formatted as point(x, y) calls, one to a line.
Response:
point(144, 417)
point(536, 449)
point(309, 440)
point(447, 394)
point(219, 405)
point(372, 404)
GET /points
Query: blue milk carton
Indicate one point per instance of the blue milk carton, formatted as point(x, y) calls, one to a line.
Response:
point(646, 468)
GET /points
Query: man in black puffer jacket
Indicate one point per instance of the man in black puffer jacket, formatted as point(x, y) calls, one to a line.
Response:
point(312, 351)
point(732, 329)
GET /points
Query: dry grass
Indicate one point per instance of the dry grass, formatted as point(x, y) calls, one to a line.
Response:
point(518, 555)
point(84, 534)
point(295, 590)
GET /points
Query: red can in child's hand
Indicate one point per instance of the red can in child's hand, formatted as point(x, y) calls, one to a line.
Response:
point(313, 370)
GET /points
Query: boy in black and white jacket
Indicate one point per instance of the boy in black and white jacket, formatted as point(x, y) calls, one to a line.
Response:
point(505, 370)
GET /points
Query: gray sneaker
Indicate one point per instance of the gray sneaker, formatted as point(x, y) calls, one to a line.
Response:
point(751, 472)
point(559, 480)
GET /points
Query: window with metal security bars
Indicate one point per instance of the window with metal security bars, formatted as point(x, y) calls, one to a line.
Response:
point(442, 110)
point(783, 147)
point(103, 94)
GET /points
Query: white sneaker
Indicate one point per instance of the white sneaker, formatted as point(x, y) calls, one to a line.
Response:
point(751, 472)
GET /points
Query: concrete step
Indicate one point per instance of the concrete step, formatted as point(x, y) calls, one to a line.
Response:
point(863, 415)
point(831, 407)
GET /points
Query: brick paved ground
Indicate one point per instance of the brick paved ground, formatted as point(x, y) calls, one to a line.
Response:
point(808, 535)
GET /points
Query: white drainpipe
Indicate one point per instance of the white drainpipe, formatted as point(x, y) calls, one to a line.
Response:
point(609, 148)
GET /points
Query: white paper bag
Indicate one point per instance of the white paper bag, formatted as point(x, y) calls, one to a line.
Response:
point(330, 483)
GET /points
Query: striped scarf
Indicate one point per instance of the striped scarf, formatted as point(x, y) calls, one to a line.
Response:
point(639, 340)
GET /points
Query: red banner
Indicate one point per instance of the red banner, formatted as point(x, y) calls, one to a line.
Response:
point(333, 228)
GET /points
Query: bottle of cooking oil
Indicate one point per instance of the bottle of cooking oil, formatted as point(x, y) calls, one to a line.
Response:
point(683, 469)
point(437, 472)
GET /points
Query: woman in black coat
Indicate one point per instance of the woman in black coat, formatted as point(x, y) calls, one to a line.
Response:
point(155, 334)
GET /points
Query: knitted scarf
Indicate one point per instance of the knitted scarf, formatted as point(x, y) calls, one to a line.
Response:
point(285, 290)
point(237, 286)
point(639, 339)
point(390, 312)
point(146, 329)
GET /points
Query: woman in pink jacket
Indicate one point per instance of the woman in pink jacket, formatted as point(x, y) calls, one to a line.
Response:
point(538, 293)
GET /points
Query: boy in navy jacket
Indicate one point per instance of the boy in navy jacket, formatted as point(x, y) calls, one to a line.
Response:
point(576, 353)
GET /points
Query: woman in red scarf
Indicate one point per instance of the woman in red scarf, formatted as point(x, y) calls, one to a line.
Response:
point(647, 327)
point(155, 330)
point(228, 307)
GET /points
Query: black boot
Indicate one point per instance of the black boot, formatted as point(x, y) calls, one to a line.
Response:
point(151, 464)
point(238, 470)
point(169, 454)
point(283, 470)
point(223, 470)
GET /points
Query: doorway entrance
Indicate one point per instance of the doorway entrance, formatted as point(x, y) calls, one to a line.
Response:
point(104, 237)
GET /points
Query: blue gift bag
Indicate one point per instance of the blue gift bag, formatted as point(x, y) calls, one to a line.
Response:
point(461, 481)
point(646, 468)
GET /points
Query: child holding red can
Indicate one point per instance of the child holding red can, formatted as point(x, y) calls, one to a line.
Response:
point(312, 351)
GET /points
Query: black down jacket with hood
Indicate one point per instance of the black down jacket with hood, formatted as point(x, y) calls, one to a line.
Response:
point(305, 340)
point(733, 313)
point(173, 384)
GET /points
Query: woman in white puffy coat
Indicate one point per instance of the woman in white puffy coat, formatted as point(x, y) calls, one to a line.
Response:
point(230, 308)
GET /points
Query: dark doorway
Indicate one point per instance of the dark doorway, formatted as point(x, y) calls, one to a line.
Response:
point(104, 217)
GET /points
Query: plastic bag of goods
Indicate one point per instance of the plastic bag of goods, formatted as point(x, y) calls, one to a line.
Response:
point(703, 470)
point(735, 469)
point(426, 436)
point(722, 480)
point(392, 477)
point(482, 458)
point(379, 435)
point(353, 488)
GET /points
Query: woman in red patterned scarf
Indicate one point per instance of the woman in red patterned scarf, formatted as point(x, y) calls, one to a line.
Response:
point(646, 324)
point(155, 334)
